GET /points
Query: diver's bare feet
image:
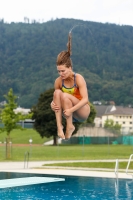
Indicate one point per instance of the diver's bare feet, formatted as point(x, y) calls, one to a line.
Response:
point(69, 131)
point(61, 133)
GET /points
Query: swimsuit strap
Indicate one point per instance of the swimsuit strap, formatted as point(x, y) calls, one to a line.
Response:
point(74, 79)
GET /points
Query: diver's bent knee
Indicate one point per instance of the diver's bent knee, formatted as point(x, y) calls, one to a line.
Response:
point(64, 97)
point(57, 92)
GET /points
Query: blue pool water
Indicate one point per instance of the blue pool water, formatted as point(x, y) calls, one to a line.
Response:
point(73, 188)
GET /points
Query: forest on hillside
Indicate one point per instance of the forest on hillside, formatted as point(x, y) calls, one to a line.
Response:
point(102, 53)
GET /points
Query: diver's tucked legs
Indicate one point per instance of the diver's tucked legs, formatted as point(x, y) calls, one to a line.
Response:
point(58, 114)
point(67, 103)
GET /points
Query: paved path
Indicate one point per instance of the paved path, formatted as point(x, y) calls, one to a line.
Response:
point(35, 167)
point(32, 164)
point(19, 165)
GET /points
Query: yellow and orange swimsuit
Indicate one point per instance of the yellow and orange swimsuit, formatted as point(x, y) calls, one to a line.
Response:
point(73, 90)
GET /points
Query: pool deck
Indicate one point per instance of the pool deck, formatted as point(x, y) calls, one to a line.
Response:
point(36, 167)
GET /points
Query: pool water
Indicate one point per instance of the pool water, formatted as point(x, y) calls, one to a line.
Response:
point(73, 188)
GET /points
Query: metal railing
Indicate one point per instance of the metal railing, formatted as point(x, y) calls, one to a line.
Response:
point(117, 180)
point(117, 168)
point(26, 158)
point(127, 171)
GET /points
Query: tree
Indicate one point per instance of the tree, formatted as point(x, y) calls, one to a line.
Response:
point(45, 121)
point(92, 115)
point(27, 48)
point(90, 120)
point(110, 125)
point(10, 119)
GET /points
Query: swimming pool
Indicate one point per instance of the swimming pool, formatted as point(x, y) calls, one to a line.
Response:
point(73, 187)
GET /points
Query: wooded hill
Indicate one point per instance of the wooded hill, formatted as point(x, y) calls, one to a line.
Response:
point(103, 53)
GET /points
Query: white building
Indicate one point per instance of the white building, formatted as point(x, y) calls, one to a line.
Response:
point(120, 115)
point(24, 111)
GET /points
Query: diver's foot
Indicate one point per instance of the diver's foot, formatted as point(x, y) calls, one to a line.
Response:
point(69, 132)
point(61, 133)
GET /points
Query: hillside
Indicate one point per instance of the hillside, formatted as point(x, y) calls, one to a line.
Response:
point(103, 53)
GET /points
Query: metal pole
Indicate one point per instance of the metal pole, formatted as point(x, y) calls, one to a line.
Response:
point(116, 168)
point(26, 158)
point(83, 146)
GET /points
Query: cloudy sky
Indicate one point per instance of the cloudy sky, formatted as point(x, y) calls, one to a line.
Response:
point(111, 11)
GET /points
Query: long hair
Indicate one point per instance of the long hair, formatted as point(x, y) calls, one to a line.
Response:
point(63, 57)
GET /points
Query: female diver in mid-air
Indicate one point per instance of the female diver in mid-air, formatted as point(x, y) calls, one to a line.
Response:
point(70, 98)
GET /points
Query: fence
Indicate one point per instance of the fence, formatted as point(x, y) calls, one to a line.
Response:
point(23, 124)
point(98, 135)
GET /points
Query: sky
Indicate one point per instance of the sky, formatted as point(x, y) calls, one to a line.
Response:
point(119, 12)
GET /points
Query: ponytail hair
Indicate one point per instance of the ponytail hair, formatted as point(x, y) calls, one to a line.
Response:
point(63, 57)
point(69, 44)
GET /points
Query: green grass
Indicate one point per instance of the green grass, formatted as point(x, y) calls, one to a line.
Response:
point(109, 165)
point(23, 136)
point(69, 152)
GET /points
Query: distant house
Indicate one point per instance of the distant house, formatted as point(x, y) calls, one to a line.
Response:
point(97, 102)
point(101, 110)
point(119, 114)
point(2, 103)
point(24, 111)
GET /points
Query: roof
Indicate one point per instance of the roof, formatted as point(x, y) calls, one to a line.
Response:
point(112, 110)
point(121, 111)
point(102, 109)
